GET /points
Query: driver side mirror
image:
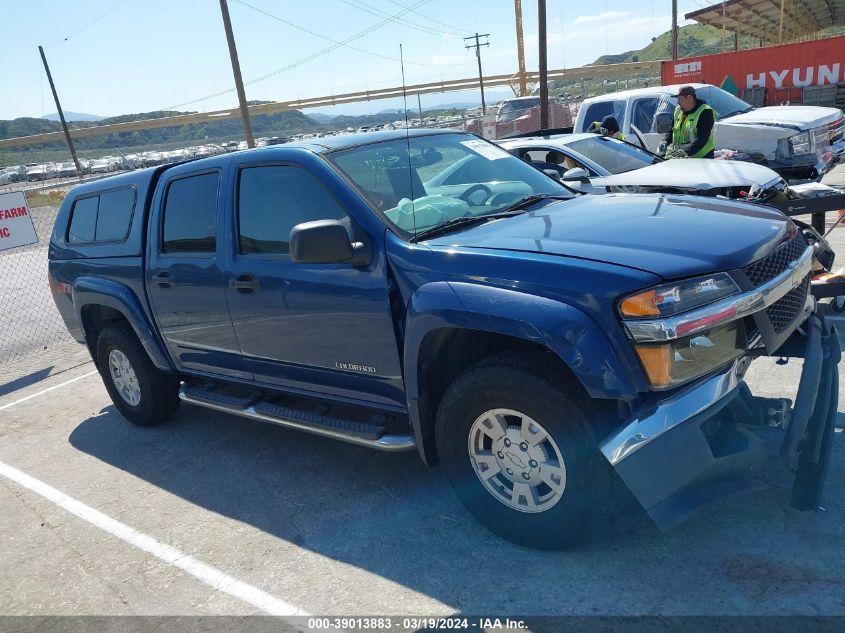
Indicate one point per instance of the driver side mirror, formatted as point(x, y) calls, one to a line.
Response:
point(663, 122)
point(326, 242)
point(577, 173)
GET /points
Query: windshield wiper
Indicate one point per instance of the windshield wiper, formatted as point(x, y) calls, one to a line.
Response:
point(527, 201)
point(748, 109)
point(520, 206)
point(450, 225)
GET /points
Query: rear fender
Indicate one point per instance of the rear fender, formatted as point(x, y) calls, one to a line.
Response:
point(95, 291)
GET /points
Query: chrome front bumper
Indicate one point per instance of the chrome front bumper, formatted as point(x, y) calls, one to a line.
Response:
point(697, 445)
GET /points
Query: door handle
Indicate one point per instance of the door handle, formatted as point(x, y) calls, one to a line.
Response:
point(163, 280)
point(245, 283)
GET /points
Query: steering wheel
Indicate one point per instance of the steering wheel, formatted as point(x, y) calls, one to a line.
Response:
point(465, 196)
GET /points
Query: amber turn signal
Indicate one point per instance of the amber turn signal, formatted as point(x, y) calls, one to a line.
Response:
point(640, 305)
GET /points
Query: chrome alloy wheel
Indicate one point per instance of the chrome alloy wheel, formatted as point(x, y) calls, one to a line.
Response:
point(124, 378)
point(516, 460)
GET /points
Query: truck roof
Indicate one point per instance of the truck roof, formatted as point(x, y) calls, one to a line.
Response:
point(633, 92)
point(344, 141)
point(140, 178)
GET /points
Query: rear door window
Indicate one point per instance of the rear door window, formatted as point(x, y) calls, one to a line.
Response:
point(190, 215)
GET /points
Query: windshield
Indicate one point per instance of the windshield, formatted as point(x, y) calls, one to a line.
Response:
point(615, 156)
point(448, 176)
point(724, 103)
point(510, 110)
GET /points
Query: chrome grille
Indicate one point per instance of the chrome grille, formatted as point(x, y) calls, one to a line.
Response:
point(774, 263)
point(786, 309)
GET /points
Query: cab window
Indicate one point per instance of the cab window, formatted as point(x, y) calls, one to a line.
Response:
point(273, 199)
point(190, 215)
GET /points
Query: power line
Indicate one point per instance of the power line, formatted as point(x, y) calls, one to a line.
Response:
point(328, 39)
point(368, 8)
point(79, 30)
point(304, 60)
point(422, 15)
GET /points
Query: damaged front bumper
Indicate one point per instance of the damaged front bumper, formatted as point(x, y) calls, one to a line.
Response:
point(698, 445)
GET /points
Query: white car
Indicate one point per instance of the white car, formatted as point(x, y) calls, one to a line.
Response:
point(101, 166)
point(591, 163)
point(797, 141)
point(40, 171)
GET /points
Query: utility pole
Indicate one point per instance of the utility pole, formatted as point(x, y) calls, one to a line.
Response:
point(544, 75)
point(236, 70)
point(477, 46)
point(520, 49)
point(419, 106)
point(674, 29)
point(61, 114)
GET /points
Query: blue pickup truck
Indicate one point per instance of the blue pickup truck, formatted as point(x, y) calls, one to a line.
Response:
point(427, 290)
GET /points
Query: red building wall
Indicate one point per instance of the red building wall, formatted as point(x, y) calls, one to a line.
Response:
point(783, 70)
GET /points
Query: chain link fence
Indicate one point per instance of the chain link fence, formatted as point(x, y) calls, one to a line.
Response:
point(34, 339)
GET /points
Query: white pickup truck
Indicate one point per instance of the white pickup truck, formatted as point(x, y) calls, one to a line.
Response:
point(797, 141)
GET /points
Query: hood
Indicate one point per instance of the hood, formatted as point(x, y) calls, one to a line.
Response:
point(670, 236)
point(797, 117)
point(694, 174)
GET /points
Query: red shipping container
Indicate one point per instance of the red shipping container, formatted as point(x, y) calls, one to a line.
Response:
point(784, 71)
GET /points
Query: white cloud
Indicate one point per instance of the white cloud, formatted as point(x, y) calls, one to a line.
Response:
point(605, 15)
point(633, 26)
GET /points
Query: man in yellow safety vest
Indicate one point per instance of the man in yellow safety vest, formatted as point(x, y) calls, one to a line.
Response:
point(692, 128)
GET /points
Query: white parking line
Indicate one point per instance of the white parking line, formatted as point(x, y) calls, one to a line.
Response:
point(211, 576)
point(48, 389)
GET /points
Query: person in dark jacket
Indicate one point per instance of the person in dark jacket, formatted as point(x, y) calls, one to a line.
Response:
point(692, 128)
point(608, 126)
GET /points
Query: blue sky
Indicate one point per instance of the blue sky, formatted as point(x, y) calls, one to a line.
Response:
point(111, 57)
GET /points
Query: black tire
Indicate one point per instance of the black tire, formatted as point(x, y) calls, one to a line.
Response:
point(159, 390)
point(527, 385)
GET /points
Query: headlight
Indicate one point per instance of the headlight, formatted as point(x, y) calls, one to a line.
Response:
point(800, 143)
point(671, 299)
point(682, 360)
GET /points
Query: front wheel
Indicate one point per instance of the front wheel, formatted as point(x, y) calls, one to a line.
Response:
point(144, 394)
point(520, 452)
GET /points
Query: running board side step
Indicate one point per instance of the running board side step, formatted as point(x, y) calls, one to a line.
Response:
point(360, 433)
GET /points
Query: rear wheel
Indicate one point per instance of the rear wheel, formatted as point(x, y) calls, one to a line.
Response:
point(142, 393)
point(520, 452)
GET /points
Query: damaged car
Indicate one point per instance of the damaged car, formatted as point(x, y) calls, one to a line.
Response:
point(797, 141)
point(590, 163)
point(426, 290)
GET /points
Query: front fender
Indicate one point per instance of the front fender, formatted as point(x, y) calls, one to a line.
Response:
point(105, 292)
point(562, 328)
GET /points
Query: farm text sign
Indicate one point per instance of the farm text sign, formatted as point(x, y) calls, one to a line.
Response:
point(16, 228)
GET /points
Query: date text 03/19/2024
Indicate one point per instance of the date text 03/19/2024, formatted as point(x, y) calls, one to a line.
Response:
point(381, 623)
